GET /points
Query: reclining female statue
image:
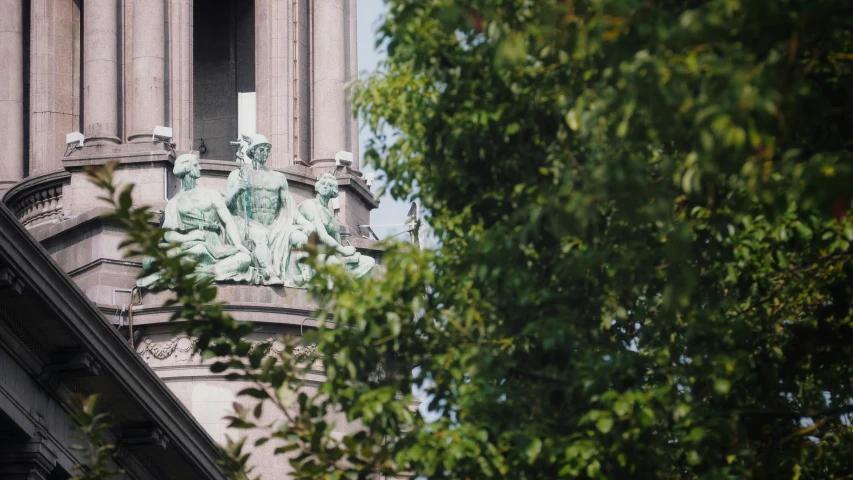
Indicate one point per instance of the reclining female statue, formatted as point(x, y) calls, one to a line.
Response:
point(202, 226)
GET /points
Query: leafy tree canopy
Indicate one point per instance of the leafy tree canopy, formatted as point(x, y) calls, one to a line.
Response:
point(643, 211)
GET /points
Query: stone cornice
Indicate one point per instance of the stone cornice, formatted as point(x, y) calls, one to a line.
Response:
point(357, 186)
point(124, 154)
point(121, 365)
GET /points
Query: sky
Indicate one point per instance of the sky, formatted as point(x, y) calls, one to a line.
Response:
point(389, 211)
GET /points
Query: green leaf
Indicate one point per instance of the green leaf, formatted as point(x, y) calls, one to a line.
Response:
point(604, 424)
point(254, 392)
point(722, 386)
point(534, 448)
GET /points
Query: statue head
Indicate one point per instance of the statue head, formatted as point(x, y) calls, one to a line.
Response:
point(187, 164)
point(327, 186)
point(259, 148)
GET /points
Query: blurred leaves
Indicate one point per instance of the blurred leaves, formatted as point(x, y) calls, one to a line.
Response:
point(93, 430)
point(641, 207)
point(644, 219)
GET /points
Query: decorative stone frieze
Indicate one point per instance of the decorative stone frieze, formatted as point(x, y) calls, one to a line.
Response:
point(181, 347)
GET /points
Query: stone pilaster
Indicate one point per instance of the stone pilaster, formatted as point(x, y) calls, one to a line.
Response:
point(275, 65)
point(52, 97)
point(101, 71)
point(180, 24)
point(11, 92)
point(149, 69)
point(329, 112)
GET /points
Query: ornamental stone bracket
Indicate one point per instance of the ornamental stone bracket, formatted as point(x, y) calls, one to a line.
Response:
point(66, 365)
point(10, 284)
point(31, 460)
point(131, 437)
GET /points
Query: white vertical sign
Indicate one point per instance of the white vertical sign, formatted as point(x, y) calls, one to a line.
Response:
point(246, 113)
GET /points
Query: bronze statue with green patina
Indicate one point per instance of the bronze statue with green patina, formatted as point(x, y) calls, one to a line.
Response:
point(260, 200)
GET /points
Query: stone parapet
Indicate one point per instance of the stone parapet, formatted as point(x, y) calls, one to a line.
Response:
point(38, 201)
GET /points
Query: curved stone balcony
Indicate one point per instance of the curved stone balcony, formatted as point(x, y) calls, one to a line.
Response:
point(38, 200)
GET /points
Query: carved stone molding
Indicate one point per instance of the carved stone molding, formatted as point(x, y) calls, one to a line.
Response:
point(300, 352)
point(73, 362)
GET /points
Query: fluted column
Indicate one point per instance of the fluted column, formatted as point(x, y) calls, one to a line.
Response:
point(328, 96)
point(100, 71)
point(352, 73)
point(181, 71)
point(149, 69)
point(11, 91)
point(274, 72)
point(52, 85)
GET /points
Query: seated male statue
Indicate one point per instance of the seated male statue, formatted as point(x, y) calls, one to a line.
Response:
point(260, 200)
point(201, 225)
point(317, 211)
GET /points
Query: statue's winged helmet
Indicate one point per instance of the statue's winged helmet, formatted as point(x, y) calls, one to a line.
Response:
point(255, 140)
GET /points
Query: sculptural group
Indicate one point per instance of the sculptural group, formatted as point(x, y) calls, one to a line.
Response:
point(253, 232)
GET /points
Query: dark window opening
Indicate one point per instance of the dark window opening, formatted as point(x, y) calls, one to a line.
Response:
point(223, 65)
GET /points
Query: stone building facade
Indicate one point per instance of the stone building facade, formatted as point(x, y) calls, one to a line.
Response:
point(113, 70)
point(54, 343)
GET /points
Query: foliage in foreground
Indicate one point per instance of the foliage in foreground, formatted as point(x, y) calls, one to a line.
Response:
point(93, 430)
point(643, 211)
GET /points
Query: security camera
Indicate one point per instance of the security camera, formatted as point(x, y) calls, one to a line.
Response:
point(343, 159)
point(75, 137)
point(368, 178)
point(163, 134)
